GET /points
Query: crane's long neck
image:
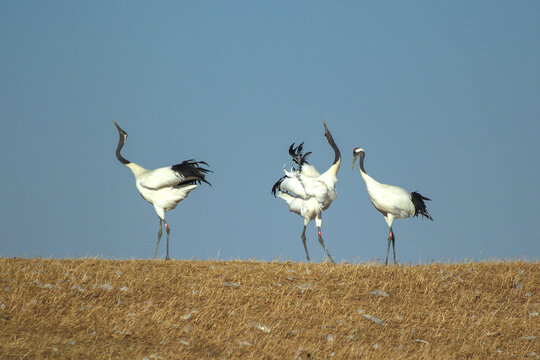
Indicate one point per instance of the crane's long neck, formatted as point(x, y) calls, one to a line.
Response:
point(335, 167)
point(136, 169)
point(370, 182)
point(119, 156)
point(337, 155)
point(362, 170)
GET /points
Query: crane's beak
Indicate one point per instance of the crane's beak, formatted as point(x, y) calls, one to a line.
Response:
point(122, 132)
point(353, 161)
point(118, 127)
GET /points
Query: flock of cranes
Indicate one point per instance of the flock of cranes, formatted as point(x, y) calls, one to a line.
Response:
point(306, 191)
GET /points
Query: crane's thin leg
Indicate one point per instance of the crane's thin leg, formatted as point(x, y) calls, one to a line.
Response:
point(393, 245)
point(167, 227)
point(324, 246)
point(388, 247)
point(304, 241)
point(158, 238)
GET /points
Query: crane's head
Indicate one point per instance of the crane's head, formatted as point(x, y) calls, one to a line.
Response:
point(356, 153)
point(123, 134)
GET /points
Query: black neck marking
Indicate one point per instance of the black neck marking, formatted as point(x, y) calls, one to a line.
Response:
point(121, 143)
point(332, 143)
point(362, 155)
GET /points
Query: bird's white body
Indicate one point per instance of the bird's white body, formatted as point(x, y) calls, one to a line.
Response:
point(158, 187)
point(308, 193)
point(392, 201)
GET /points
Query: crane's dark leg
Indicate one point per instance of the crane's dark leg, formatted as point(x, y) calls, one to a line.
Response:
point(158, 238)
point(167, 227)
point(324, 246)
point(388, 247)
point(304, 241)
point(391, 239)
point(393, 244)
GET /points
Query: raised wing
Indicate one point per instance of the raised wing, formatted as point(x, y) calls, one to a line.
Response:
point(302, 186)
point(291, 184)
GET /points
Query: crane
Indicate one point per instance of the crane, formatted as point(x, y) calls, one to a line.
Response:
point(164, 187)
point(393, 202)
point(307, 192)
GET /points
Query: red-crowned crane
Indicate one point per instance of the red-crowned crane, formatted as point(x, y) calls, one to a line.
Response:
point(164, 187)
point(307, 192)
point(393, 202)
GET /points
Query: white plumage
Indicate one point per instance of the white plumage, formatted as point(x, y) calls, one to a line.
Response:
point(393, 202)
point(164, 187)
point(307, 192)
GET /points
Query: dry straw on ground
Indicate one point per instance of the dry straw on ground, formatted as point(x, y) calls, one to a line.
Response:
point(97, 309)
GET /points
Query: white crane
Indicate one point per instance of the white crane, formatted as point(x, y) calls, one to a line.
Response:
point(393, 202)
point(307, 192)
point(164, 187)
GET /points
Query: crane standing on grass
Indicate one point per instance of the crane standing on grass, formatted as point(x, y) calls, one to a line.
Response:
point(392, 201)
point(307, 192)
point(164, 187)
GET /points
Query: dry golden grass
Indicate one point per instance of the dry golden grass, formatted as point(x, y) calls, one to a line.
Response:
point(97, 309)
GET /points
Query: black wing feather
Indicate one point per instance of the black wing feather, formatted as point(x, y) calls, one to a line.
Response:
point(419, 205)
point(276, 187)
point(192, 171)
point(297, 156)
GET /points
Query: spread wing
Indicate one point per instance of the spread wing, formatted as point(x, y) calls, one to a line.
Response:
point(301, 185)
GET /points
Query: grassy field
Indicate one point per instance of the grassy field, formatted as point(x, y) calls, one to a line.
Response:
point(138, 309)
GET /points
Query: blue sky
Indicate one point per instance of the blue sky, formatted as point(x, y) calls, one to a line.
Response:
point(443, 96)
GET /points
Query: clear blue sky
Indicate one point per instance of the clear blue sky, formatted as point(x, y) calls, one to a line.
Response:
point(443, 96)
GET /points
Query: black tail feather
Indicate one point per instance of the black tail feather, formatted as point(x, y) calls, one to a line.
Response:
point(297, 156)
point(193, 171)
point(419, 205)
point(275, 188)
point(295, 151)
